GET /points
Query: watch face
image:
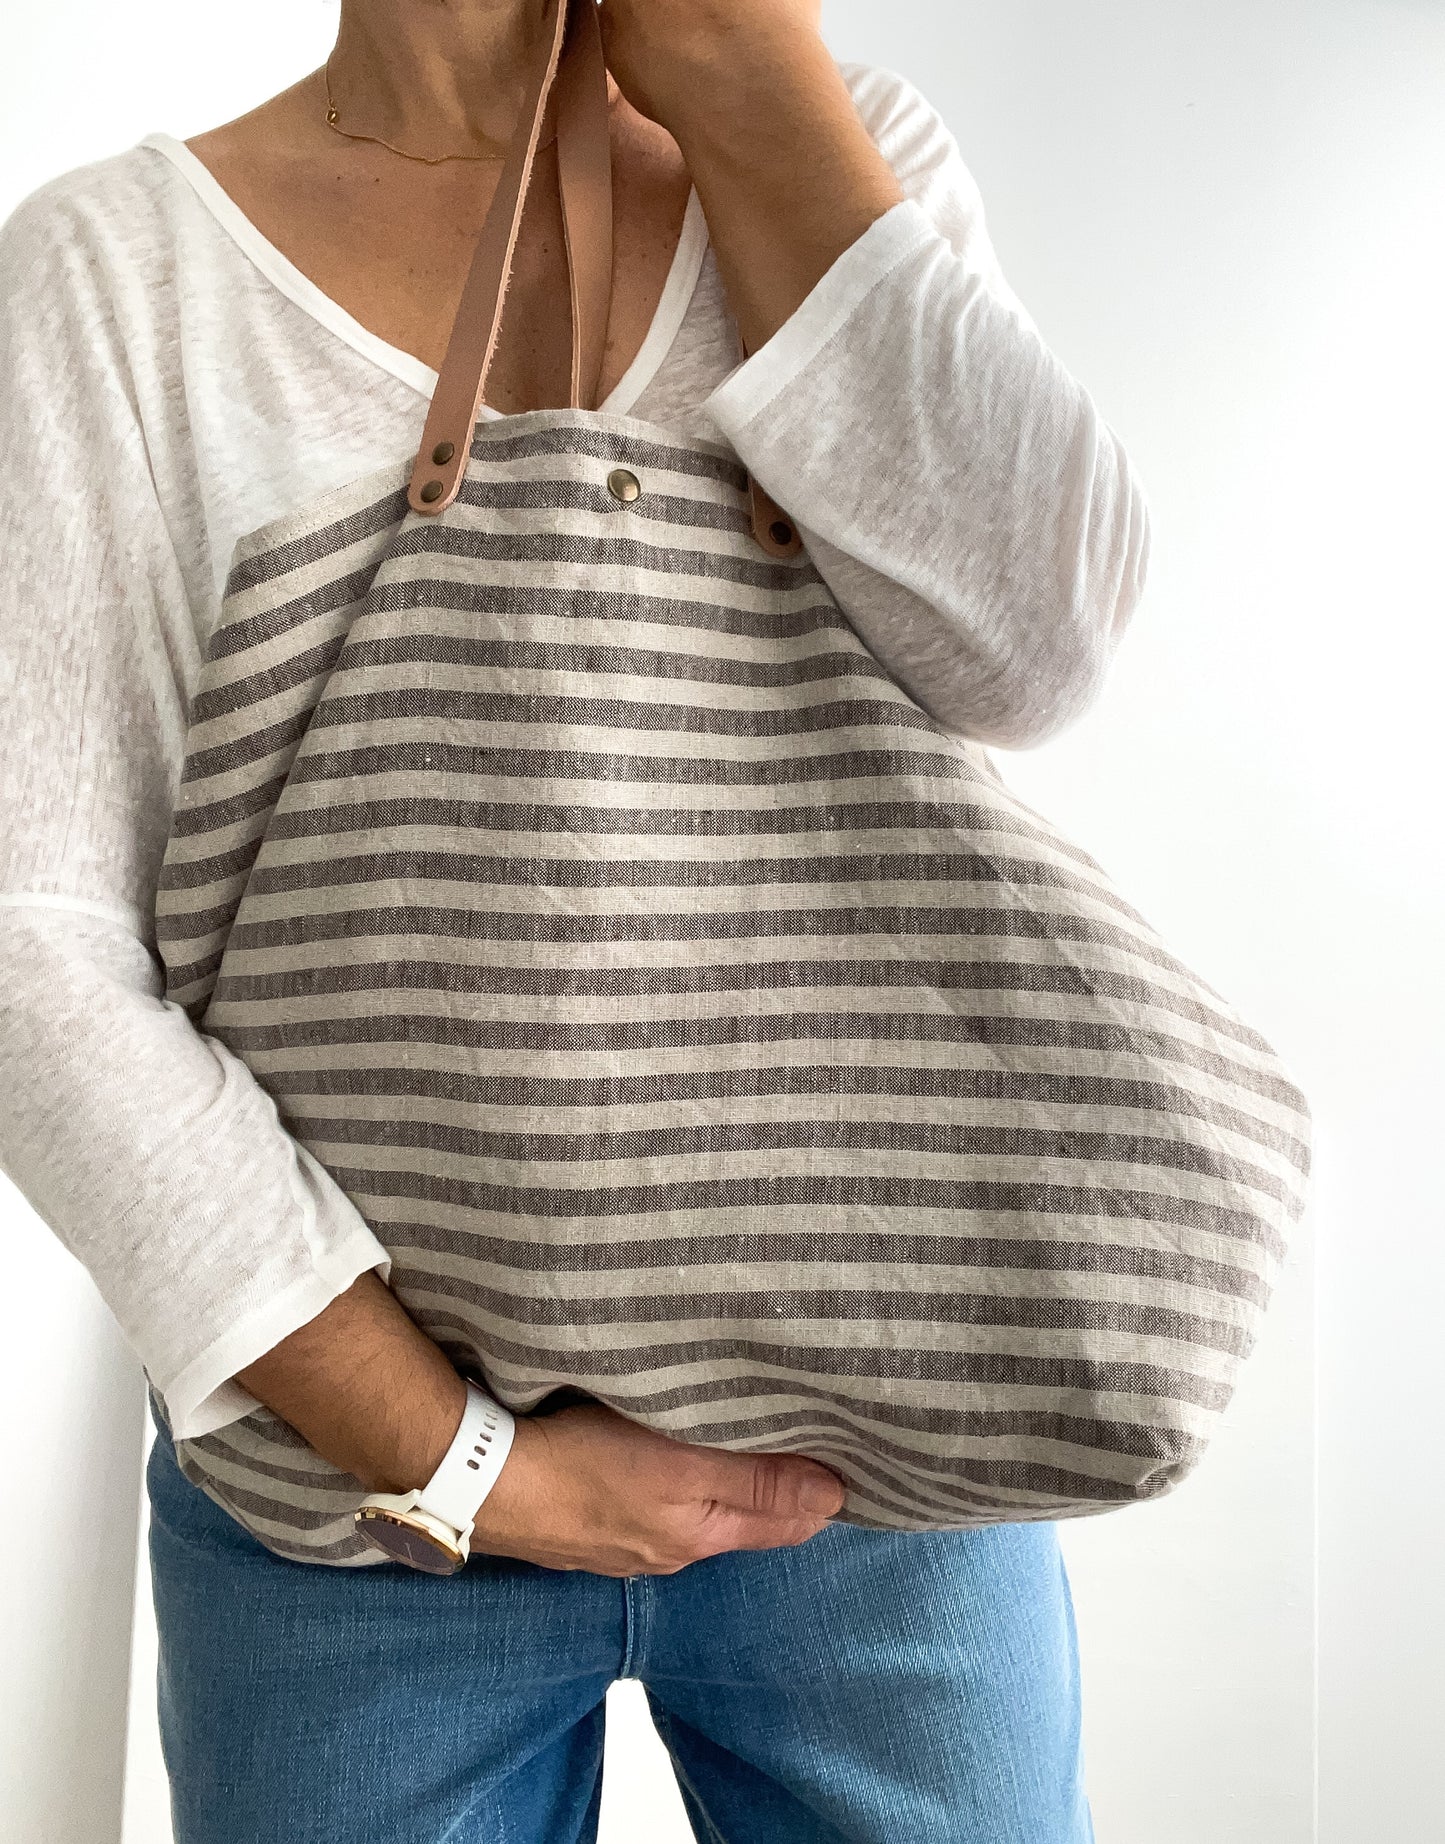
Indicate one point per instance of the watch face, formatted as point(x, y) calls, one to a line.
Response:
point(406, 1542)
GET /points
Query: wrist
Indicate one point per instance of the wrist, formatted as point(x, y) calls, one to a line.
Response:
point(513, 1507)
point(430, 1526)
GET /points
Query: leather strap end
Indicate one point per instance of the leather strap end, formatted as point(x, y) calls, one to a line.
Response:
point(772, 527)
point(435, 484)
point(441, 461)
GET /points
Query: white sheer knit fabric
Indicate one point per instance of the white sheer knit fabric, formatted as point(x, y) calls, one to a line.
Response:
point(169, 382)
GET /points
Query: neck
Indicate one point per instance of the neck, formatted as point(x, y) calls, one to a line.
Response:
point(444, 76)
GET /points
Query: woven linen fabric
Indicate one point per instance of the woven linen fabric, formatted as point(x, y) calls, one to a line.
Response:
point(701, 1027)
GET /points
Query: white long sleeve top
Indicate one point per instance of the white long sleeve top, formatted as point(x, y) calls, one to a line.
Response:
point(169, 382)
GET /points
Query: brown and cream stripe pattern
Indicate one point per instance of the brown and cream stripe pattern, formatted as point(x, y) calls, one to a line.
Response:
point(700, 1027)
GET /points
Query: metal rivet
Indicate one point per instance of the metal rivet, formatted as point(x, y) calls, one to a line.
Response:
point(780, 533)
point(432, 490)
point(623, 484)
point(443, 453)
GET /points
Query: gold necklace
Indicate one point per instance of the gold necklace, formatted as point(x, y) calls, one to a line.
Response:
point(333, 121)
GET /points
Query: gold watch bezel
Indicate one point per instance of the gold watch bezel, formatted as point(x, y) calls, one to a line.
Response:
point(382, 1514)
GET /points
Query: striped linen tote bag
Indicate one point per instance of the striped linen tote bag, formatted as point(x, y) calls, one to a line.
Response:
point(702, 1029)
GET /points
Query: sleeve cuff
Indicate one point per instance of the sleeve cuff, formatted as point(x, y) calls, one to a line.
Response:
point(204, 1396)
point(750, 387)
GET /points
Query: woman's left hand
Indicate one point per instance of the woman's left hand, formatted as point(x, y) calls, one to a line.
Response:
point(673, 59)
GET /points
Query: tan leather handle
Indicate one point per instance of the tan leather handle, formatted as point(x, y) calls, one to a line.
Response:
point(569, 87)
point(447, 436)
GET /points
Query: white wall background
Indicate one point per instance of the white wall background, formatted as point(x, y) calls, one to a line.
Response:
point(1226, 217)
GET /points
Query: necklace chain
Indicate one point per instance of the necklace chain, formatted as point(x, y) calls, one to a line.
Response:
point(333, 121)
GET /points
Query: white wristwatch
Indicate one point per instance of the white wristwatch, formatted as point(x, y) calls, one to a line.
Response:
point(431, 1527)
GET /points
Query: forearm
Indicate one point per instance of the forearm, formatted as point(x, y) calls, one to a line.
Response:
point(366, 1387)
point(786, 171)
point(975, 519)
point(788, 182)
point(977, 522)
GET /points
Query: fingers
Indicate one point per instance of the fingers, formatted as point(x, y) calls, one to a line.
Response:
point(727, 1528)
point(781, 1484)
point(776, 1485)
point(618, 1499)
point(739, 1501)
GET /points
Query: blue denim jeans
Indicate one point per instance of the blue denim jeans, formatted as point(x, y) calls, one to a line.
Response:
point(865, 1686)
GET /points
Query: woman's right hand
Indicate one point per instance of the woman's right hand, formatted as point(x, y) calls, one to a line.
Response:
point(586, 1488)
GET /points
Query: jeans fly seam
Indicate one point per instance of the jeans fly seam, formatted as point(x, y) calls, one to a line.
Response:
point(631, 1614)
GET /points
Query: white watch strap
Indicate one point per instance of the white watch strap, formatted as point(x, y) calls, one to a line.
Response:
point(469, 1468)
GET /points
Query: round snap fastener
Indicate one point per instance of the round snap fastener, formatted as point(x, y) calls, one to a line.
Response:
point(622, 483)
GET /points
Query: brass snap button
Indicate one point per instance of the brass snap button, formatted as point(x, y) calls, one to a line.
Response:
point(623, 484)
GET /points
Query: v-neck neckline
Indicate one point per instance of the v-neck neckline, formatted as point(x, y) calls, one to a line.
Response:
point(298, 287)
